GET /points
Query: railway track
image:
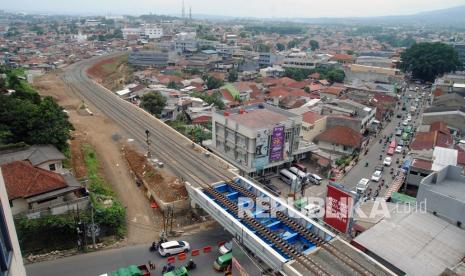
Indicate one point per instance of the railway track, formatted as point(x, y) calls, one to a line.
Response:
point(174, 149)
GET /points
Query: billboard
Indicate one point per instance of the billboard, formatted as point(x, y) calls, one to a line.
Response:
point(338, 208)
point(277, 144)
point(261, 143)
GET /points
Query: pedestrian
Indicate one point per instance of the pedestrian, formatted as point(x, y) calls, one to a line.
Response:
point(151, 265)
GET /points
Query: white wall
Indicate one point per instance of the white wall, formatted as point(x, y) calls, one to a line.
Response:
point(17, 266)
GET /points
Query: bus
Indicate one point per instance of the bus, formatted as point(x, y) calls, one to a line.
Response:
point(288, 177)
point(407, 129)
point(300, 174)
point(222, 262)
point(391, 151)
point(406, 136)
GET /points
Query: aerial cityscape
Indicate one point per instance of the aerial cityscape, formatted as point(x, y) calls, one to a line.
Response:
point(196, 137)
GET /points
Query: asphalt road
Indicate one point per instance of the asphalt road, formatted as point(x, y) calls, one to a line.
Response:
point(351, 179)
point(167, 145)
point(100, 262)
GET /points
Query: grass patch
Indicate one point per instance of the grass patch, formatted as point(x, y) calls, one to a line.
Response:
point(111, 67)
point(96, 184)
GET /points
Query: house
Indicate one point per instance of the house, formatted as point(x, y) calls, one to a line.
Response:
point(46, 157)
point(343, 59)
point(32, 189)
point(339, 139)
point(312, 125)
point(332, 92)
point(449, 100)
point(452, 116)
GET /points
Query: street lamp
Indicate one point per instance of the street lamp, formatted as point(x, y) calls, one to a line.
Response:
point(147, 133)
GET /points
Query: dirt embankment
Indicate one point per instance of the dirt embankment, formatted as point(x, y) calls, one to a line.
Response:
point(168, 188)
point(112, 73)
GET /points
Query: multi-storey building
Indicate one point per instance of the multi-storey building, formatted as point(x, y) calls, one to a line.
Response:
point(257, 138)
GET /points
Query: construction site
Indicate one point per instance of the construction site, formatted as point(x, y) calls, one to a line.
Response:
point(284, 239)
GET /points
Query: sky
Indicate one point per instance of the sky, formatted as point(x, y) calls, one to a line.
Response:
point(237, 8)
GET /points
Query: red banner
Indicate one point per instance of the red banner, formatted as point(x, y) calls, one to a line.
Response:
point(338, 208)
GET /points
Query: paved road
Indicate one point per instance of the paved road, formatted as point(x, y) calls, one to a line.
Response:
point(97, 263)
point(360, 171)
point(167, 145)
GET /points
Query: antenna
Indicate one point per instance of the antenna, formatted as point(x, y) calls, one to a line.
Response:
point(190, 13)
point(183, 12)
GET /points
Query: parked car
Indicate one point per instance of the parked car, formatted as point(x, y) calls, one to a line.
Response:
point(405, 123)
point(362, 185)
point(399, 149)
point(225, 248)
point(387, 161)
point(314, 178)
point(173, 247)
point(376, 176)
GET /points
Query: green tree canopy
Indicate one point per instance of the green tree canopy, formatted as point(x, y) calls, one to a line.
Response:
point(263, 48)
point(153, 102)
point(335, 75)
point(292, 44)
point(212, 82)
point(232, 75)
point(280, 47)
point(428, 60)
point(314, 45)
point(172, 85)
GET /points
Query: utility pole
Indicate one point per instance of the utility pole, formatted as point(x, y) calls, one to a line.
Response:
point(147, 133)
point(93, 224)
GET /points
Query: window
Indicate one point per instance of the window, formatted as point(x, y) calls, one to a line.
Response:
point(5, 245)
point(52, 167)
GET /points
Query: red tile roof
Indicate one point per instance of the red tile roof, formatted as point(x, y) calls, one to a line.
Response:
point(341, 135)
point(461, 158)
point(334, 90)
point(440, 126)
point(428, 140)
point(226, 95)
point(278, 92)
point(422, 164)
point(311, 117)
point(24, 180)
point(201, 119)
point(342, 57)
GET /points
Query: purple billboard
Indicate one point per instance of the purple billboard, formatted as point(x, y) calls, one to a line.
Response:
point(277, 144)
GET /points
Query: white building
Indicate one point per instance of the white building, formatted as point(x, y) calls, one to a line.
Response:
point(11, 261)
point(257, 138)
point(298, 59)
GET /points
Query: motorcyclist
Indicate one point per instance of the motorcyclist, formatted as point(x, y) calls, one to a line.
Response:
point(191, 265)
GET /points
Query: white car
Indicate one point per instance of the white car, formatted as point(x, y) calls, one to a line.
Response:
point(225, 248)
point(405, 123)
point(409, 118)
point(376, 176)
point(399, 149)
point(167, 249)
point(362, 185)
point(387, 161)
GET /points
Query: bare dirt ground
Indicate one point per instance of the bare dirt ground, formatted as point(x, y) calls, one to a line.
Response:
point(142, 221)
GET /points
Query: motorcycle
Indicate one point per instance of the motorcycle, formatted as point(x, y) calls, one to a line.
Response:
point(380, 157)
point(153, 247)
point(167, 268)
point(191, 265)
point(366, 164)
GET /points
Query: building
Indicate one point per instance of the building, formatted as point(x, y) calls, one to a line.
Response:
point(340, 140)
point(374, 61)
point(46, 157)
point(148, 58)
point(411, 241)
point(298, 59)
point(272, 72)
point(11, 260)
point(257, 138)
point(373, 74)
point(32, 190)
point(440, 158)
point(268, 59)
point(312, 125)
point(453, 117)
point(444, 193)
point(460, 48)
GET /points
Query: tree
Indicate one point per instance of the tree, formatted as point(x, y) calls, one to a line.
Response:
point(232, 75)
point(297, 74)
point(314, 45)
point(172, 85)
point(212, 82)
point(428, 60)
point(292, 44)
point(280, 47)
point(153, 102)
point(335, 75)
point(263, 48)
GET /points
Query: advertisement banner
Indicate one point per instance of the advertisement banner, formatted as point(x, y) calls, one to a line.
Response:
point(338, 208)
point(277, 144)
point(261, 143)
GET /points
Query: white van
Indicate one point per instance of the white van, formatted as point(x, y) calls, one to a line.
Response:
point(300, 174)
point(288, 177)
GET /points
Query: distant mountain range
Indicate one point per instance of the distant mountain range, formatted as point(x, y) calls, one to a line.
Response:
point(454, 16)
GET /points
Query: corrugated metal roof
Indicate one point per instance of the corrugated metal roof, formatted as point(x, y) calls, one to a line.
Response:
point(442, 157)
